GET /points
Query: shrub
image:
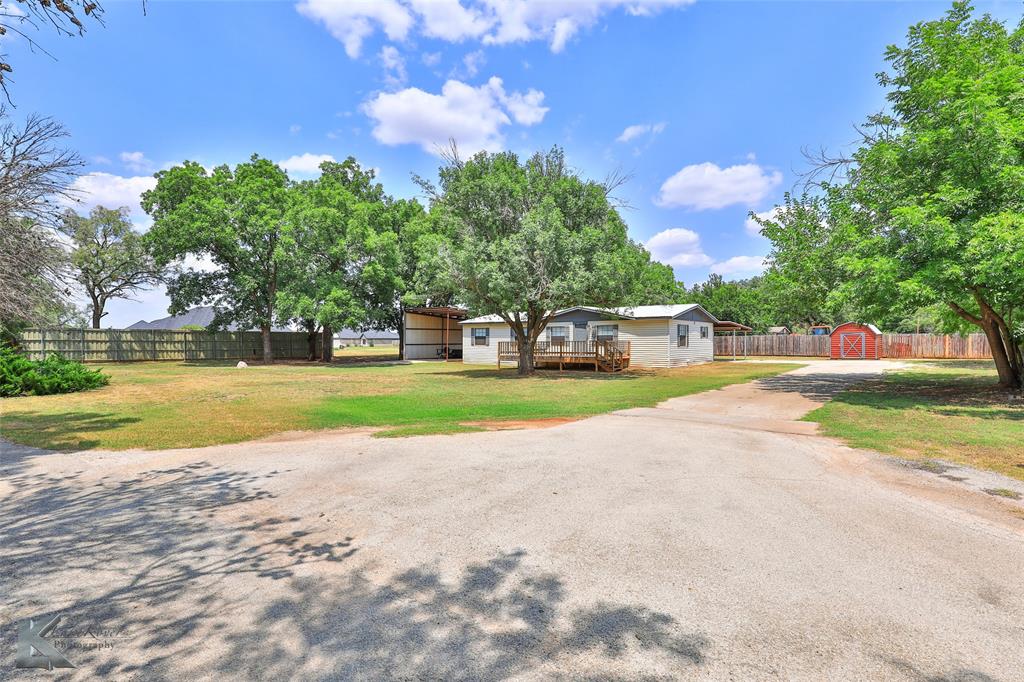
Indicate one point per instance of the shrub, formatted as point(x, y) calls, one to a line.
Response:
point(55, 374)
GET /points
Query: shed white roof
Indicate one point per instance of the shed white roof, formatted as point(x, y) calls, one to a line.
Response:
point(872, 327)
point(637, 312)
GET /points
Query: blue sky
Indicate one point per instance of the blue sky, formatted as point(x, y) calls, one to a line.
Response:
point(706, 104)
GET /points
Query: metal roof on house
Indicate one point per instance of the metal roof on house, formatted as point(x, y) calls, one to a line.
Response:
point(637, 312)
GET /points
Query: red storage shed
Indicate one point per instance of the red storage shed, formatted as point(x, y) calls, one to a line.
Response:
point(856, 341)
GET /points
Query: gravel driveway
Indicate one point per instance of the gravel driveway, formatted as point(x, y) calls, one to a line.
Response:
point(712, 537)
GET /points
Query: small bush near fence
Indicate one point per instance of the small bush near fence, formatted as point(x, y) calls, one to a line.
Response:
point(55, 374)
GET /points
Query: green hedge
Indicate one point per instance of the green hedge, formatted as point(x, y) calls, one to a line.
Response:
point(55, 374)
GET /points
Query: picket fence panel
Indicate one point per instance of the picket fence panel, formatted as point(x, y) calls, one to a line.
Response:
point(933, 346)
point(133, 345)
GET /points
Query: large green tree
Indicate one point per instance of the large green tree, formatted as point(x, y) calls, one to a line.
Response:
point(237, 223)
point(344, 268)
point(534, 237)
point(935, 197)
point(108, 257)
point(929, 207)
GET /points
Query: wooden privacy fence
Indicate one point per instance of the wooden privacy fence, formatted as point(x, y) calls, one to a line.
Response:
point(970, 347)
point(128, 345)
point(772, 344)
point(935, 346)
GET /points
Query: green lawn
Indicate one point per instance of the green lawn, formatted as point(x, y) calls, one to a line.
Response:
point(947, 410)
point(165, 405)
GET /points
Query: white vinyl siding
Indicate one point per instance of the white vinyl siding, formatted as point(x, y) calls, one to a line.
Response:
point(484, 355)
point(648, 342)
point(700, 348)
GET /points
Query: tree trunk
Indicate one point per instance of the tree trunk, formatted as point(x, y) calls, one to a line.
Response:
point(1010, 372)
point(525, 358)
point(311, 336)
point(268, 351)
point(401, 334)
point(326, 344)
point(97, 312)
point(1009, 376)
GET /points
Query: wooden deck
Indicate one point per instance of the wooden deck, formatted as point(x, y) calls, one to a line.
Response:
point(603, 356)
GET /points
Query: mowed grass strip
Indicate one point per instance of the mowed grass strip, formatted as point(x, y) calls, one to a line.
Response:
point(935, 410)
point(153, 405)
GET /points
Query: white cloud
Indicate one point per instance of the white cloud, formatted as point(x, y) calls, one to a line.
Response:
point(705, 185)
point(431, 58)
point(304, 164)
point(395, 74)
point(136, 162)
point(679, 247)
point(473, 116)
point(746, 266)
point(473, 61)
point(353, 21)
point(492, 22)
point(449, 20)
point(294, 129)
point(526, 108)
point(111, 191)
point(635, 131)
point(753, 228)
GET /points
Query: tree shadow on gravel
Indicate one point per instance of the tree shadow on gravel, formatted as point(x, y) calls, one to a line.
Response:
point(498, 619)
point(140, 555)
point(818, 386)
point(185, 574)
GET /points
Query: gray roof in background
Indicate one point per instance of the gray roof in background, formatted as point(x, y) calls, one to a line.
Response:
point(201, 316)
point(636, 312)
point(371, 334)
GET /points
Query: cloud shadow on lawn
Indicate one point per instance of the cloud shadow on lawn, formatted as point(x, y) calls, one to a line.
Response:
point(186, 563)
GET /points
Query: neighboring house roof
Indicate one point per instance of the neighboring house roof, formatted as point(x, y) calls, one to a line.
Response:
point(201, 316)
point(778, 330)
point(372, 334)
point(637, 312)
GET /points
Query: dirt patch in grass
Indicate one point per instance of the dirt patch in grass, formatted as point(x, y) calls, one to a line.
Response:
point(515, 424)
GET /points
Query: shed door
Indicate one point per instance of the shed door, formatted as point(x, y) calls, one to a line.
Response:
point(852, 345)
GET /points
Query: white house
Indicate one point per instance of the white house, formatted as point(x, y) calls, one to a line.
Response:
point(648, 336)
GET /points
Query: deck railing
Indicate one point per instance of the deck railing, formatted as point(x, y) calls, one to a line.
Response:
point(615, 354)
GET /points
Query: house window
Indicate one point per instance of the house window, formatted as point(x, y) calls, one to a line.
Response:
point(481, 336)
point(683, 335)
point(558, 333)
point(703, 331)
point(606, 332)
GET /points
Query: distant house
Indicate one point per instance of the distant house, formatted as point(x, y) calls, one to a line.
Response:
point(371, 337)
point(779, 330)
point(194, 317)
point(607, 339)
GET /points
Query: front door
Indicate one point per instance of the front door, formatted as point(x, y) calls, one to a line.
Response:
point(852, 345)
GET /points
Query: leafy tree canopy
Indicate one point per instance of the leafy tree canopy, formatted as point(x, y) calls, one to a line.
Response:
point(236, 223)
point(108, 257)
point(533, 237)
